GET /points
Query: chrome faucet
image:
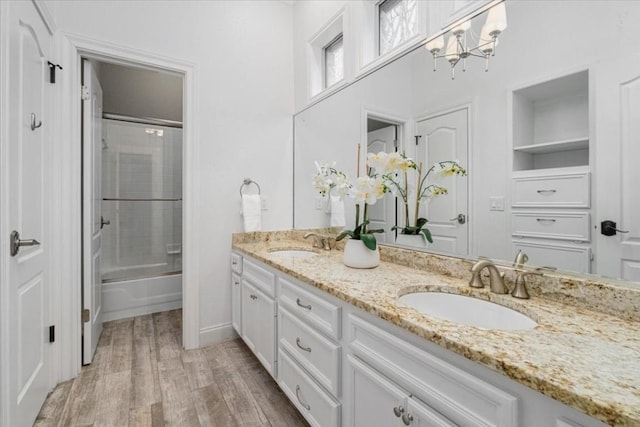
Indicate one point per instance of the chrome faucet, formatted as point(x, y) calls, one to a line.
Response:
point(319, 241)
point(496, 280)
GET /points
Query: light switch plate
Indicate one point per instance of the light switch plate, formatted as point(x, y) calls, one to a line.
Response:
point(321, 203)
point(496, 203)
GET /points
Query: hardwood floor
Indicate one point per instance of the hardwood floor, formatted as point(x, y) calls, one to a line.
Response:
point(141, 376)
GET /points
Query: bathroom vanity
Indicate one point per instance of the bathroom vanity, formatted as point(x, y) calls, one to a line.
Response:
point(347, 352)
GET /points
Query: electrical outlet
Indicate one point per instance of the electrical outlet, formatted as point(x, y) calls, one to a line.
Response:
point(321, 203)
point(496, 203)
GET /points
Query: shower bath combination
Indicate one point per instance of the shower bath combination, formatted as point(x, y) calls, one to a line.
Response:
point(141, 258)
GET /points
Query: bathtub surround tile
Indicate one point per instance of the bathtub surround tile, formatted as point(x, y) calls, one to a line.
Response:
point(221, 385)
point(585, 351)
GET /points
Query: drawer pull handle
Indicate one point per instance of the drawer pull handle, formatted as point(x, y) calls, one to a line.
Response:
point(236, 283)
point(301, 346)
point(398, 411)
point(308, 307)
point(546, 191)
point(407, 419)
point(234, 262)
point(545, 220)
point(304, 405)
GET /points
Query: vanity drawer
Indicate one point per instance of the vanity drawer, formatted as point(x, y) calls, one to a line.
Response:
point(314, 404)
point(562, 225)
point(316, 311)
point(459, 396)
point(563, 257)
point(260, 277)
point(315, 353)
point(236, 263)
point(561, 190)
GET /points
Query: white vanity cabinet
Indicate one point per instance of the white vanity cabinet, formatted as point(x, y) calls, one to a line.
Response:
point(258, 313)
point(341, 366)
point(309, 350)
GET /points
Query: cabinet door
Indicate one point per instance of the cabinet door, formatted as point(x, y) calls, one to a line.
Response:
point(248, 315)
point(420, 415)
point(236, 303)
point(265, 327)
point(375, 401)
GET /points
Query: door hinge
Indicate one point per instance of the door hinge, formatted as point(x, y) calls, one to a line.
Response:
point(52, 333)
point(86, 315)
point(84, 93)
point(417, 137)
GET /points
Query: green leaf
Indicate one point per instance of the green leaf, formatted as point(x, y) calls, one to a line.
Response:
point(344, 234)
point(369, 241)
point(421, 222)
point(427, 234)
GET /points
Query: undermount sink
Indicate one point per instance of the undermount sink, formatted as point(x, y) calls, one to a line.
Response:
point(293, 253)
point(468, 311)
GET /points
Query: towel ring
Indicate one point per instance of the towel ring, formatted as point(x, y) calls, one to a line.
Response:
point(247, 182)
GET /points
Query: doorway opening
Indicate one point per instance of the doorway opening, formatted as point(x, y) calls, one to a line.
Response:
point(384, 135)
point(132, 186)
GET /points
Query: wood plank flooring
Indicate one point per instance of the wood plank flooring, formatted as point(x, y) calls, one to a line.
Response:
point(141, 376)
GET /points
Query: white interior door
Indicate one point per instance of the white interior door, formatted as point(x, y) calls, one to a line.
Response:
point(382, 215)
point(445, 137)
point(92, 221)
point(25, 311)
point(617, 174)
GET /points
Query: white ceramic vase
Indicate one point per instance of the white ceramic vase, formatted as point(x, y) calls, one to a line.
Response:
point(357, 255)
point(412, 240)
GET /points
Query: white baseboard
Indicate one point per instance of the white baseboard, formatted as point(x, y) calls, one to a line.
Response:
point(217, 333)
point(141, 311)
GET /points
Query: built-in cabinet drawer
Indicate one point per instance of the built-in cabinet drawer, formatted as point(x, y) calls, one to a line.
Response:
point(236, 263)
point(318, 407)
point(315, 353)
point(457, 395)
point(572, 226)
point(260, 277)
point(569, 190)
point(561, 257)
point(319, 313)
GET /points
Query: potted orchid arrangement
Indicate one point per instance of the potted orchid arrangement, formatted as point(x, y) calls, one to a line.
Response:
point(361, 250)
point(394, 169)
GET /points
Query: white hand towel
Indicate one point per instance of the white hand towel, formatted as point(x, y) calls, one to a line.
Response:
point(252, 212)
point(337, 212)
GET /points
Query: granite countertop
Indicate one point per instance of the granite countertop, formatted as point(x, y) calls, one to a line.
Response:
point(583, 358)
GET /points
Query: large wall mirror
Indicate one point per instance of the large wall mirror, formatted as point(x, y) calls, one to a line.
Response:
point(550, 136)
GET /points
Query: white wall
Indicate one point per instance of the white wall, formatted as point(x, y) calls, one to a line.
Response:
point(243, 51)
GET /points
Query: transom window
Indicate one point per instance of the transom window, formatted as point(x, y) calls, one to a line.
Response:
point(334, 61)
point(397, 23)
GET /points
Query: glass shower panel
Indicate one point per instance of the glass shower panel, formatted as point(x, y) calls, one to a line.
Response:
point(142, 199)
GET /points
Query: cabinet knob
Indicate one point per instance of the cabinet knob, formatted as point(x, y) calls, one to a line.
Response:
point(407, 419)
point(398, 411)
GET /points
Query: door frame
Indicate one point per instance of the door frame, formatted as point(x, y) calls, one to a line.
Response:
point(68, 210)
point(470, 166)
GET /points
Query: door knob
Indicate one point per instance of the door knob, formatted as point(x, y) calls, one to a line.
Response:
point(104, 222)
point(608, 228)
point(460, 219)
point(15, 242)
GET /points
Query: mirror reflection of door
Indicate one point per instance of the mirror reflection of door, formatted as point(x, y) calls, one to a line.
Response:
point(445, 137)
point(382, 136)
point(618, 92)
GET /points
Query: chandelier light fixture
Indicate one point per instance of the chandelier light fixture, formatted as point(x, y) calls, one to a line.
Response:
point(458, 50)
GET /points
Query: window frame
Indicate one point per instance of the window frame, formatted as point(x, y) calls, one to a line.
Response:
point(333, 42)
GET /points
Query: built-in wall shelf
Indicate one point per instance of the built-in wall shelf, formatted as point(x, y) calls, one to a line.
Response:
point(550, 122)
point(555, 146)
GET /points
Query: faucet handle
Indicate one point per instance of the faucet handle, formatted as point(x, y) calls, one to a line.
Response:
point(520, 287)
